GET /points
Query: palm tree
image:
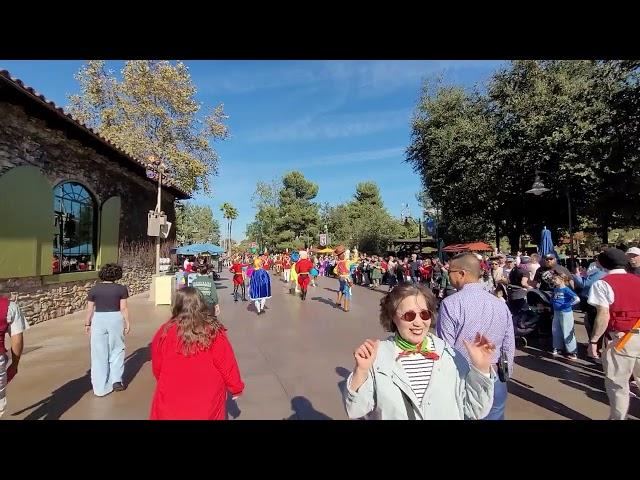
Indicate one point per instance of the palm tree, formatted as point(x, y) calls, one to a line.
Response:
point(230, 213)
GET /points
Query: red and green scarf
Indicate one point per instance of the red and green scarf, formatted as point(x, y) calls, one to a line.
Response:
point(426, 348)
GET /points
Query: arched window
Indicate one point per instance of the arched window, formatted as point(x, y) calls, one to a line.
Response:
point(74, 228)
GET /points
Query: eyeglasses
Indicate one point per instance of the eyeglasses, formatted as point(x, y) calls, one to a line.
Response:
point(548, 259)
point(410, 316)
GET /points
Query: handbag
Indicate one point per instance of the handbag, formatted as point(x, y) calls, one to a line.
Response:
point(503, 366)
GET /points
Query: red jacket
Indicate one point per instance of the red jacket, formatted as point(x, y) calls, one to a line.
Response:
point(624, 312)
point(304, 266)
point(193, 387)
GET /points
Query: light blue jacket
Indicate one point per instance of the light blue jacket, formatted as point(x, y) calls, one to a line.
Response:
point(456, 390)
point(583, 284)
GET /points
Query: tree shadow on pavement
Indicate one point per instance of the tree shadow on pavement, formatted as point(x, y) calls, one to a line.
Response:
point(65, 397)
point(565, 370)
point(303, 410)
point(543, 401)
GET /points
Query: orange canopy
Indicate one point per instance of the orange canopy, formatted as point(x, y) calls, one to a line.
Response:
point(469, 247)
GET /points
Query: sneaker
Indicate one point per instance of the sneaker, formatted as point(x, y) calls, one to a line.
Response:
point(572, 356)
point(118, 387)
point(556, 353)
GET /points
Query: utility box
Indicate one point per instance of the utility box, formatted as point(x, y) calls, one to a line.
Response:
point(155, 223)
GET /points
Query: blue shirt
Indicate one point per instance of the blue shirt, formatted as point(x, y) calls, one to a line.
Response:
point(563, 299)
point(474, 310)
point(584, 283)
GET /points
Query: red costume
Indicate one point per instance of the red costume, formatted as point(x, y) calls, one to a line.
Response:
point(192, 387)
point(303, 267)
point(236, 269)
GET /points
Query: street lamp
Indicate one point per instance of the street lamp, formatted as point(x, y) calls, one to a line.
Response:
point(406, 215)
point(159, 167)
point(538, 189)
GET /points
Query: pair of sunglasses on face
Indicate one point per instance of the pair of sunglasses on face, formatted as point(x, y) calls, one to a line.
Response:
point(410, 316)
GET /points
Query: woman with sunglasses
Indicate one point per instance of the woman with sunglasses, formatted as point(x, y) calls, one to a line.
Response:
point(415, 375)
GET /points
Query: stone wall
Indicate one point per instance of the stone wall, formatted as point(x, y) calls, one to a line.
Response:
point(28, 140)
point(40, 302)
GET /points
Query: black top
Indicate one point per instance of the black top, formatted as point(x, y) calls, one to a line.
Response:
point(107, 296)
point(546, 284)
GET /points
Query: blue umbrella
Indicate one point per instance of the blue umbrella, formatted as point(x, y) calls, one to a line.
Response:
point(546, 244)
point(198, 248)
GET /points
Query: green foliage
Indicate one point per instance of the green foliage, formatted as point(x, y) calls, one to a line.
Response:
point(152, 109)
point(297, 221)
point(229, 213)
point(575, 120)
point(195, 224)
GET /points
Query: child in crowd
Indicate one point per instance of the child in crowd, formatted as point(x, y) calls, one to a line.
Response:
point(562, 329)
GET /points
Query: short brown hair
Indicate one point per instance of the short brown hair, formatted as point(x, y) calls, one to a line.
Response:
point(389, 303)
point(110, 272)
point(565, 278)
point(469, 262)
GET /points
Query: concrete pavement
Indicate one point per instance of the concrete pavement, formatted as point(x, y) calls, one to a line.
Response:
point(293, 360)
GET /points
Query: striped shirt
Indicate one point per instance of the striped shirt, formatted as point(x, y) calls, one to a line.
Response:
point(473, 310)
point(418, 370)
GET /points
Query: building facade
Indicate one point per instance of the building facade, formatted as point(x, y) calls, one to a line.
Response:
point(70, 201)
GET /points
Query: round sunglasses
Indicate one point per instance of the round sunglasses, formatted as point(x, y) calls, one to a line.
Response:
point(410, 316)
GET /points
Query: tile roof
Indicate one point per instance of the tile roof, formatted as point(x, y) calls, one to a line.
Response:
point(40, 100)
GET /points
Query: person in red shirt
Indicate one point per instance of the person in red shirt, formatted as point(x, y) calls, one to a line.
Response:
point(303, 267)
point(238, 279)
point(193, 363)
point(286, 268)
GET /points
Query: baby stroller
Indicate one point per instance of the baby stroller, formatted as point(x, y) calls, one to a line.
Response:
point(532, 314)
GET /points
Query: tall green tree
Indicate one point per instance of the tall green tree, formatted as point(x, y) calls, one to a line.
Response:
point(372, 227)
point(151, 109)
point(298, 219)
point(265, 200)
point(196, 224)
point(229, 213)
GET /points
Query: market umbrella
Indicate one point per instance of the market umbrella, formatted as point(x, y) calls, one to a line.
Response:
point(546, 244)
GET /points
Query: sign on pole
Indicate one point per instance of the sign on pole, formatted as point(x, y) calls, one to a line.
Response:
point(323, 239)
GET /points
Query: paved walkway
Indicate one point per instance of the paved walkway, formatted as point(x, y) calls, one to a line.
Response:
point(293, 360)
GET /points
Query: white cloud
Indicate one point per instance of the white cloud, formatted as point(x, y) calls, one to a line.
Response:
point(368, 77)
point(333, 126)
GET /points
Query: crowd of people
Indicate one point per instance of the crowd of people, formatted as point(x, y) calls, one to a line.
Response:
point(461, 372)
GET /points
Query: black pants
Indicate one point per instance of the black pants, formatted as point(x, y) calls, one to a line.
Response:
point(590, 313)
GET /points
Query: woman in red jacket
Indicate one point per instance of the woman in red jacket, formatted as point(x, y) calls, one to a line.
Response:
point(193, 363)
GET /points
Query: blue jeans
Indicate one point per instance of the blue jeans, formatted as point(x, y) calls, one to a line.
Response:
point(563, 332)
point(107, 351)
point(499, 401)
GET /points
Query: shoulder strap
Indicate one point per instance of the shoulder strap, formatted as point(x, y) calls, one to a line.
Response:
point(411, 414)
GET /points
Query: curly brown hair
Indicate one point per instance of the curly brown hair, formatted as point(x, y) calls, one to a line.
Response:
point(389, 303)
point(110, 272)
point(197, 327)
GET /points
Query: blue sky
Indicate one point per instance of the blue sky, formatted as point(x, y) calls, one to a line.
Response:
point(339, 122)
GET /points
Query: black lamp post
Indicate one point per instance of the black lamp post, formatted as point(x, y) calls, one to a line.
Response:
point(537, 189)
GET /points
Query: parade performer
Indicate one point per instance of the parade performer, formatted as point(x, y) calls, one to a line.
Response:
point(303, 267)
point(260, 286)
point(286, 267)
point(342, 270)
point(238, 279)
point(293, 274)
